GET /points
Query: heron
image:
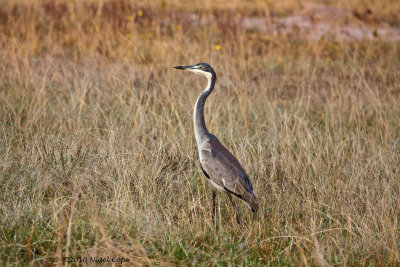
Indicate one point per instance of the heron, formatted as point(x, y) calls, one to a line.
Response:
point(219, 166)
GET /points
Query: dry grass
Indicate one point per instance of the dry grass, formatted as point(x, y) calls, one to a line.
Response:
point(98, 156)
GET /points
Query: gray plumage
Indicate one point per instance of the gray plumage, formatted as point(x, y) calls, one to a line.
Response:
point(218, 164)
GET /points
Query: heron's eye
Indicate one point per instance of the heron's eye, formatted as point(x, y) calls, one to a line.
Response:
point(200, 67)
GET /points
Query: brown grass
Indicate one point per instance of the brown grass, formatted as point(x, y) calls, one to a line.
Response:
point(98, 157)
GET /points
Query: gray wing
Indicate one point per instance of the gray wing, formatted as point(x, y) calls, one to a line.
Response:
point(223, 169)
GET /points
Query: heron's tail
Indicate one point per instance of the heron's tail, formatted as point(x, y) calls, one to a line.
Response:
point(251, 199)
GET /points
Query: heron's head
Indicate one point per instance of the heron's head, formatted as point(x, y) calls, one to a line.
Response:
point(199, 68)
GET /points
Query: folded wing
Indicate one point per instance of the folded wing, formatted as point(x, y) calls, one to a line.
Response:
point(225, 171)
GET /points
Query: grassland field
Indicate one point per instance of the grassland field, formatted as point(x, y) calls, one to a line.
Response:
point(97, 149)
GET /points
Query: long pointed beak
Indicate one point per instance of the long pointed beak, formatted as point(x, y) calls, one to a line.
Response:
point(183, 67)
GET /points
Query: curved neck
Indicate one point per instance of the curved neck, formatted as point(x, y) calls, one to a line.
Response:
point(200, 128)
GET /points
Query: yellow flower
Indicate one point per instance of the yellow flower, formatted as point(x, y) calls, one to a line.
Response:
point(129, 18)
point(218, 47)
point(140, 13)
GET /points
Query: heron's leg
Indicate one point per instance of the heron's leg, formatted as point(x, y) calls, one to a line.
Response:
point(239, 221)
point(214, 194)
